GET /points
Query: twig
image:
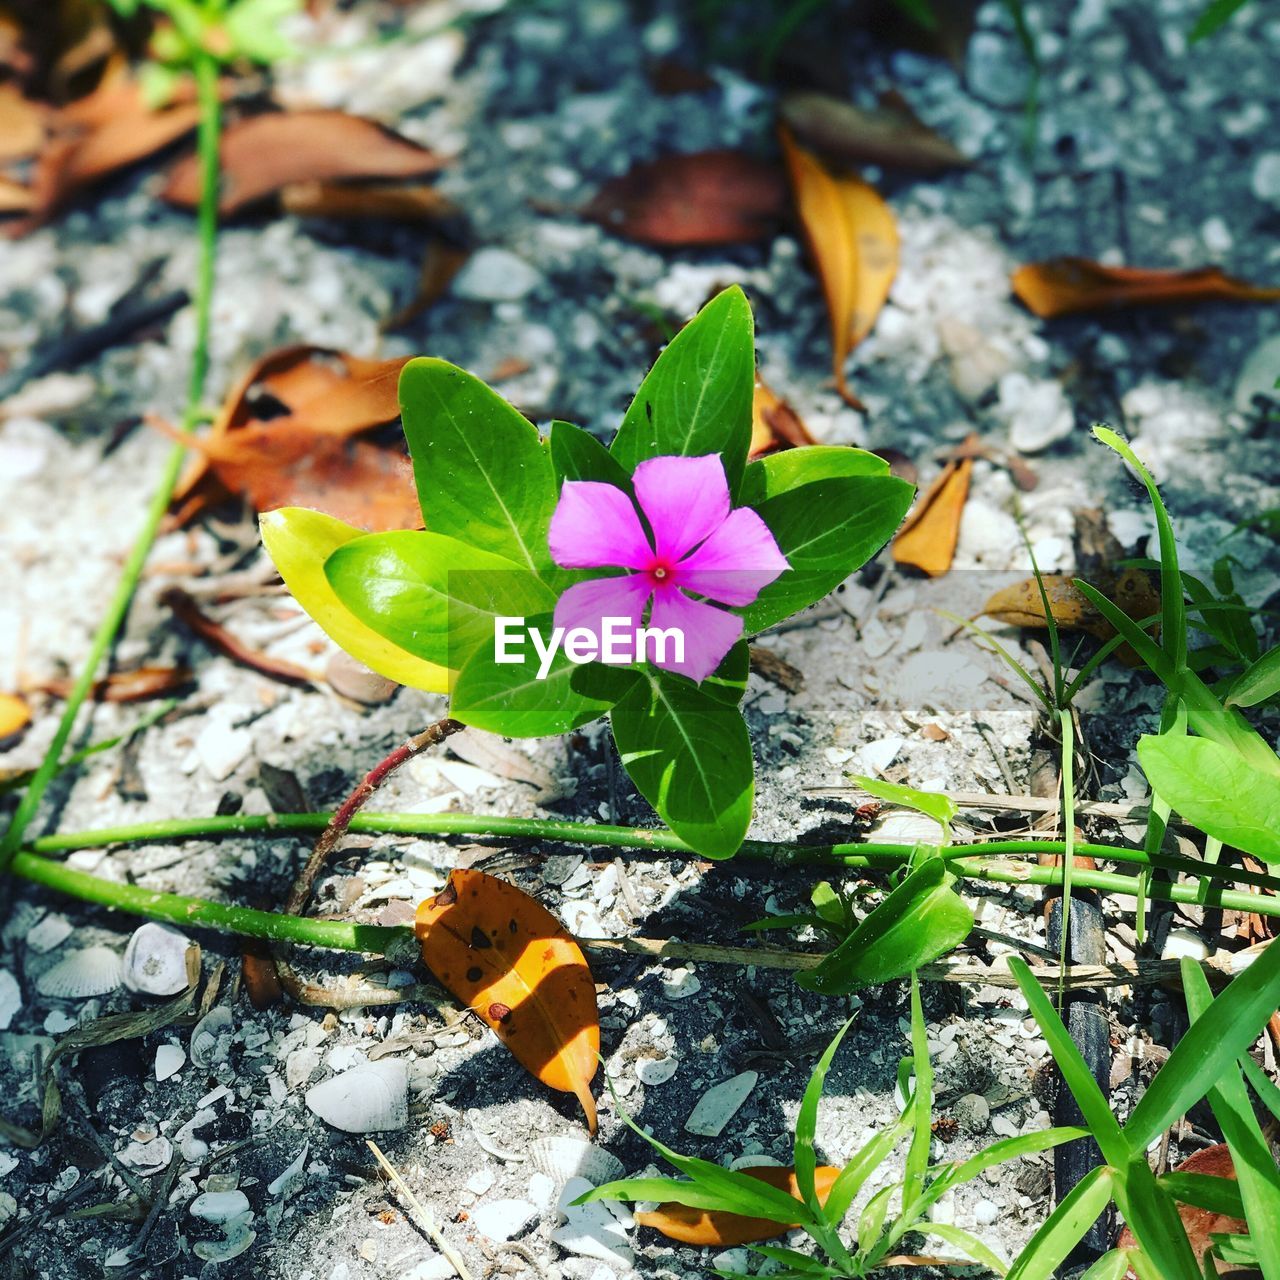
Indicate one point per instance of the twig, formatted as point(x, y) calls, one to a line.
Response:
point(1009, 803)
point(425, 1219)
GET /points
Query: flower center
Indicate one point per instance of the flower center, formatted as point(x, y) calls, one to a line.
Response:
point(660, 572)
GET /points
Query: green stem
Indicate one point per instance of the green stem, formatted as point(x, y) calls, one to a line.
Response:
point(206, 71)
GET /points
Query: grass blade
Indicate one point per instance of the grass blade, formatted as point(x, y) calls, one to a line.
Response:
point(921, 1101)
point(1063, 1229)
point(844, 1191)
point(805, 1158)
point(968, 1244)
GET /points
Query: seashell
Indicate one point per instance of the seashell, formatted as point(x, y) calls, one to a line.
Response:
point(595, 1230)
point(155, 961)
point(366, 1099)
point(720, 1104)
point(232, 1246)
point(212, 1037)
point(8, 1209)
point(565, 1158)
point(292, 1178)
point(51, 932)
point(10, 998)
point(653, 1071)
point(219, 1206)
point(169, 1060)
point(147, 1158)
point(91, 971)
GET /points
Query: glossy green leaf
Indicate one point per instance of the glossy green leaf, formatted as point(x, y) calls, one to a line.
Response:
point(577, 455)
point(299, 542)
point(1259, 683)
point(1218, 1195)
point(933, 804)
point(430, 594)
point(511, 698)
point(1111, 1266)
point(778, 473)
point(728, 682)
point(1065, 1227)
point(920, 920)
point(826, 529)
point(689, 755)
point(967, 1243)
point(1256, 1174)
point(871, 1220)
point(697, 397)
point(483, 474)
point(852, 1178)
point(1214, 788)
point(921, 1107)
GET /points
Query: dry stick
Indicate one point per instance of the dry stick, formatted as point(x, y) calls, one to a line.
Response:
point(1010, 804)
point(298, 987)
point(428, 1222)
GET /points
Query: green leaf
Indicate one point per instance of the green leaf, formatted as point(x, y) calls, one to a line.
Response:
point(1111, 1266)
point(577, 455)
point(254, 29)
point(689, 755)
point(1256, 1173)
point(967, 1243)
point(728, 682)
point(483, 474)
point(1216, 14)
point(920, 920)
point(511, 698)
point(1215, 789)
point(779, 473)
point(1257, 684)
point(1218, 1195)
point(917, 1161)
point(1065, 1227)
point(697, 397)
point(299, 542)
point(874, 1212)
point(805, 1158)
point(1226, 1029)
point(933, 804)
point(998, 1153)
point(430, 594)
point(826, 529)
point(852, 1178)
point(830, 906)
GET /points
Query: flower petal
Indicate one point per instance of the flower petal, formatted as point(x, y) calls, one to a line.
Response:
point(735, 563)
point(684, 500)
point(587, 604)
point(595, 526)
point(709, 633)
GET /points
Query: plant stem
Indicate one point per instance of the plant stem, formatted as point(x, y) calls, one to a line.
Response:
point(206, 72)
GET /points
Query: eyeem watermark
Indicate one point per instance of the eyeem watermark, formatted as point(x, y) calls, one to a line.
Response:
point(619, 643)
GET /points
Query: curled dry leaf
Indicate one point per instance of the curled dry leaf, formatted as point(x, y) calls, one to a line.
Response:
point(928, 537)
point(1062, 286)
point(1201, 1224)
point(265, 153)
point(853, 239)
point(281, 439)
point(136, 685)
point(708, 197)
point(512, 963)
point(774, 423)
point(15, 715)
point(1133, 590)
point(890, 135)
point(716, 1227)
point(416, 202)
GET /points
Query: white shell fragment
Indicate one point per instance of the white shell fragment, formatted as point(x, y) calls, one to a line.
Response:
point(503, 1219)
point(147, 1158)
point(565, 1158)
point(219, 1207)
point(211, 1039)
point(292, 1178)
point(656, 1070)
point(51, 932)
point(366, 1099)
point(595, 1230)
point(155, 961)
point(231, 1246)
point(720, 1104)
point(10, 998)
point(91, 971)
point(169, 1060)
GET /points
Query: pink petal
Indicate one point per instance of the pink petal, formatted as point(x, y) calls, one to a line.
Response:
point(709, 633)
point(735, 563)
point(595, 526)
point(587, 604)
point(684, 500)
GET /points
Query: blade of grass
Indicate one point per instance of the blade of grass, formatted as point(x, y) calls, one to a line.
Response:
point(1065, 1226)
point(968, 1244)
point(917, 1162)
point(805, 1158)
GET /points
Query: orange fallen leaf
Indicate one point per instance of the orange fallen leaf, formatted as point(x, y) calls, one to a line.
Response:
point(774, 423)
point(136, 685)
point(395, 202)
point(1021, 605)
point(22, 124)
point(853, 240)
point(717, 1227)
point(262, 154)
point(928, 537)
point(512, 963)
point(1061, 286)
point(1202, 1224)
point(15, 198)
point(887, 135)
point(323, 393)
point(441, 262)
point(15, 715)
point(708, 197)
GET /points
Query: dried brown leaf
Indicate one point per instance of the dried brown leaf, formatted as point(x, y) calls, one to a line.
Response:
point(263, 154)
point(127, 686)
point(22, 124)
point(774, 423)
point(1062, 286)
point(928, 537)
point(394, 202)
point(889, 135)
point(853, 239)
point(708, 197)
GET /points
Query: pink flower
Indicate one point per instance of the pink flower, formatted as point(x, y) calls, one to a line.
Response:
point(694, 543)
